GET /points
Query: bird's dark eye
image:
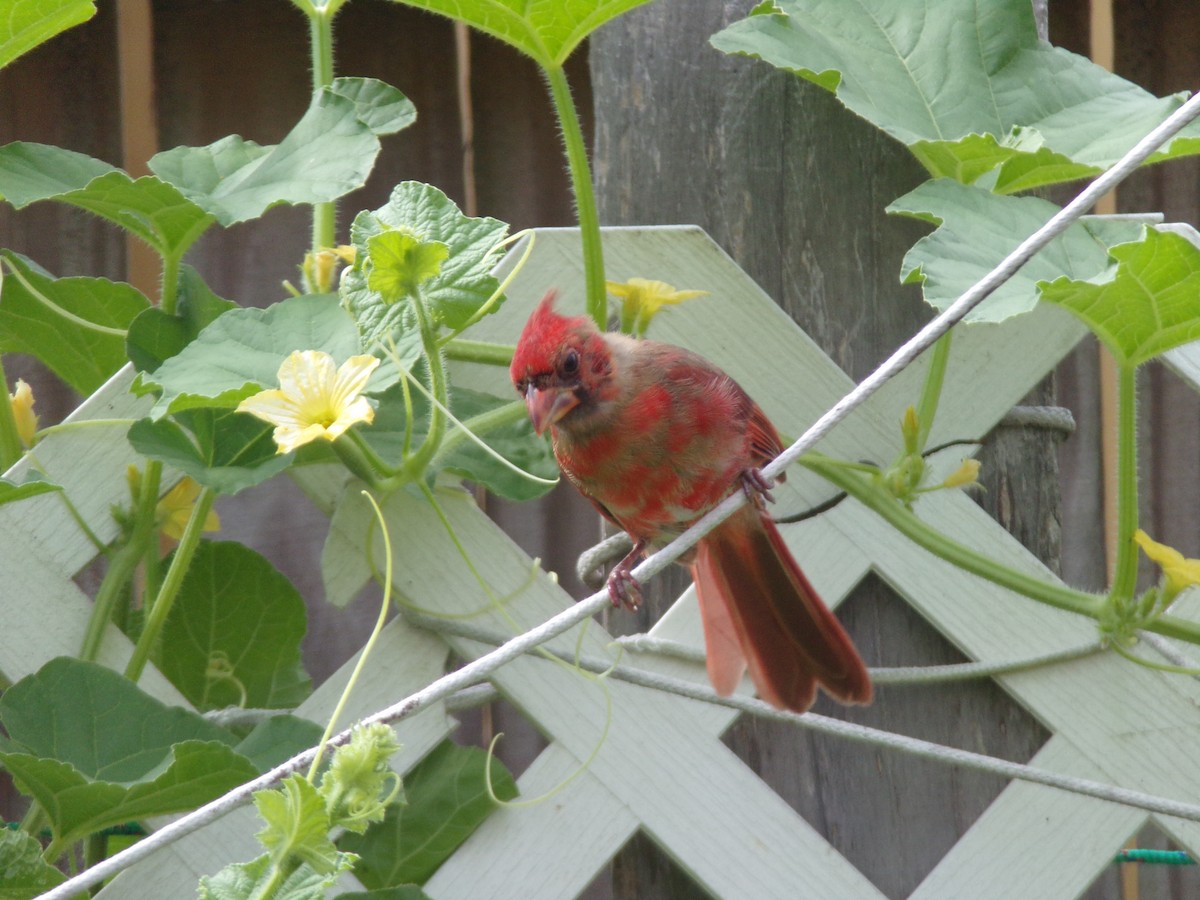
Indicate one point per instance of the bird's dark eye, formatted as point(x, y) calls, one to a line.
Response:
point(570, 363)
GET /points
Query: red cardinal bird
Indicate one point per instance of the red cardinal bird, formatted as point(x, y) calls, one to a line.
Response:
point(655, 436)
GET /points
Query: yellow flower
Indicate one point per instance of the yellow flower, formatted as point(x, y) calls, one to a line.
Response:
point(22, 407)
point(1178, 571)
point(175, 508)
point(315, 399)
point(641, 300)
point(965, 475)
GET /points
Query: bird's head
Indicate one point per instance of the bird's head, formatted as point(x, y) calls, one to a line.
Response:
point(560, 364)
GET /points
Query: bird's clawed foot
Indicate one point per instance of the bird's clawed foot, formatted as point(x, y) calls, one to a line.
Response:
point(623, 588)
point(757, 487)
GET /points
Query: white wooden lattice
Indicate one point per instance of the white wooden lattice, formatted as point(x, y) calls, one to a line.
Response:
point(660, 767)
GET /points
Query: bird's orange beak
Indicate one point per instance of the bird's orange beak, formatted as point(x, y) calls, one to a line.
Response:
point(548, 406)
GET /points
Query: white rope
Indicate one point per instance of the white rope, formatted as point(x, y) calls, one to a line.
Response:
point(480, 668)
point(861, 733)
point(892, 675)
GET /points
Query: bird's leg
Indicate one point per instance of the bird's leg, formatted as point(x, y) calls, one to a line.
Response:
point(757, 487)
point(623, 588)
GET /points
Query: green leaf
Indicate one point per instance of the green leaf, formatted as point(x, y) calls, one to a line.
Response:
point(76, 326)
point(31, 172)
point(238, 618)
point(977, 229)
point(12, 493)
point(329, 153)
point(243, 881)
point(222, 449)
point(95, 751)
point(155, 336)
point(402, 892)
point(27, 23)
point(149, 208)
point(379, 106)
point(547, 30)
point(277, 739)
point(1143, 305)
point(239, 353)
point(455, 293)
point(513, 439)
point(970, 85)
point(447, 800)
point(23, 872)
point(297, 825)
point(399, 263)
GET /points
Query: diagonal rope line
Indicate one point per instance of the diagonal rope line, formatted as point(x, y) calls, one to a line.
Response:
point(849, 730)
point(479, 669)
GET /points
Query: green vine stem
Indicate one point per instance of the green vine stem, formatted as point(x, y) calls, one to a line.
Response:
point(320, 18)
point(1125, 572)
point(931, 393)
point(581, 184)
point(508, 414)
point(156, 616)
point(124, 561)
point(416, 464)
point(484, 352)
point(866, 492)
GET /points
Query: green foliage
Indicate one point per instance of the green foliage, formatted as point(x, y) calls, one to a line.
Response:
point(447, 800)
point(1145, 303)
point(95, 751)
point(27, 23)
point(235, 632)
point(147, 207)
point(23, 872)
point(328, 153)
point(156, 335)
point(454, 292)
point(239, 353)
point(297, 825)
point(546, 30)
point(12, 493)
point(513, 440)
point(242, 881)
point(970, 90)
point(76, 326)
point(222, 449)
point(976, 229)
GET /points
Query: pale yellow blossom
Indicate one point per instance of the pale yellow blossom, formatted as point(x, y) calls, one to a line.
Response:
point(175, 509)
point(641, 299)
point(1179, 572)
point(315, 399)
point(22, 407)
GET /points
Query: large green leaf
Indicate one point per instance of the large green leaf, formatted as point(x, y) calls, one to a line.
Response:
point(23, 872)
point(96, 751)
point(447, 800)
point(454, 289)
point(222, 449)
point(233, 636)
point(977, 229)
point(151, 209)
point(328, 153)
point(1143, 305)
point(27, 23)
point(547, 30)
point(31, 172)
point(76, 326)
point(156, 336)
point(240, 352)
point(967, 86)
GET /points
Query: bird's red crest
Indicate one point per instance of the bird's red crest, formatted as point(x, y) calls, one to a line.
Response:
point(544, 333)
